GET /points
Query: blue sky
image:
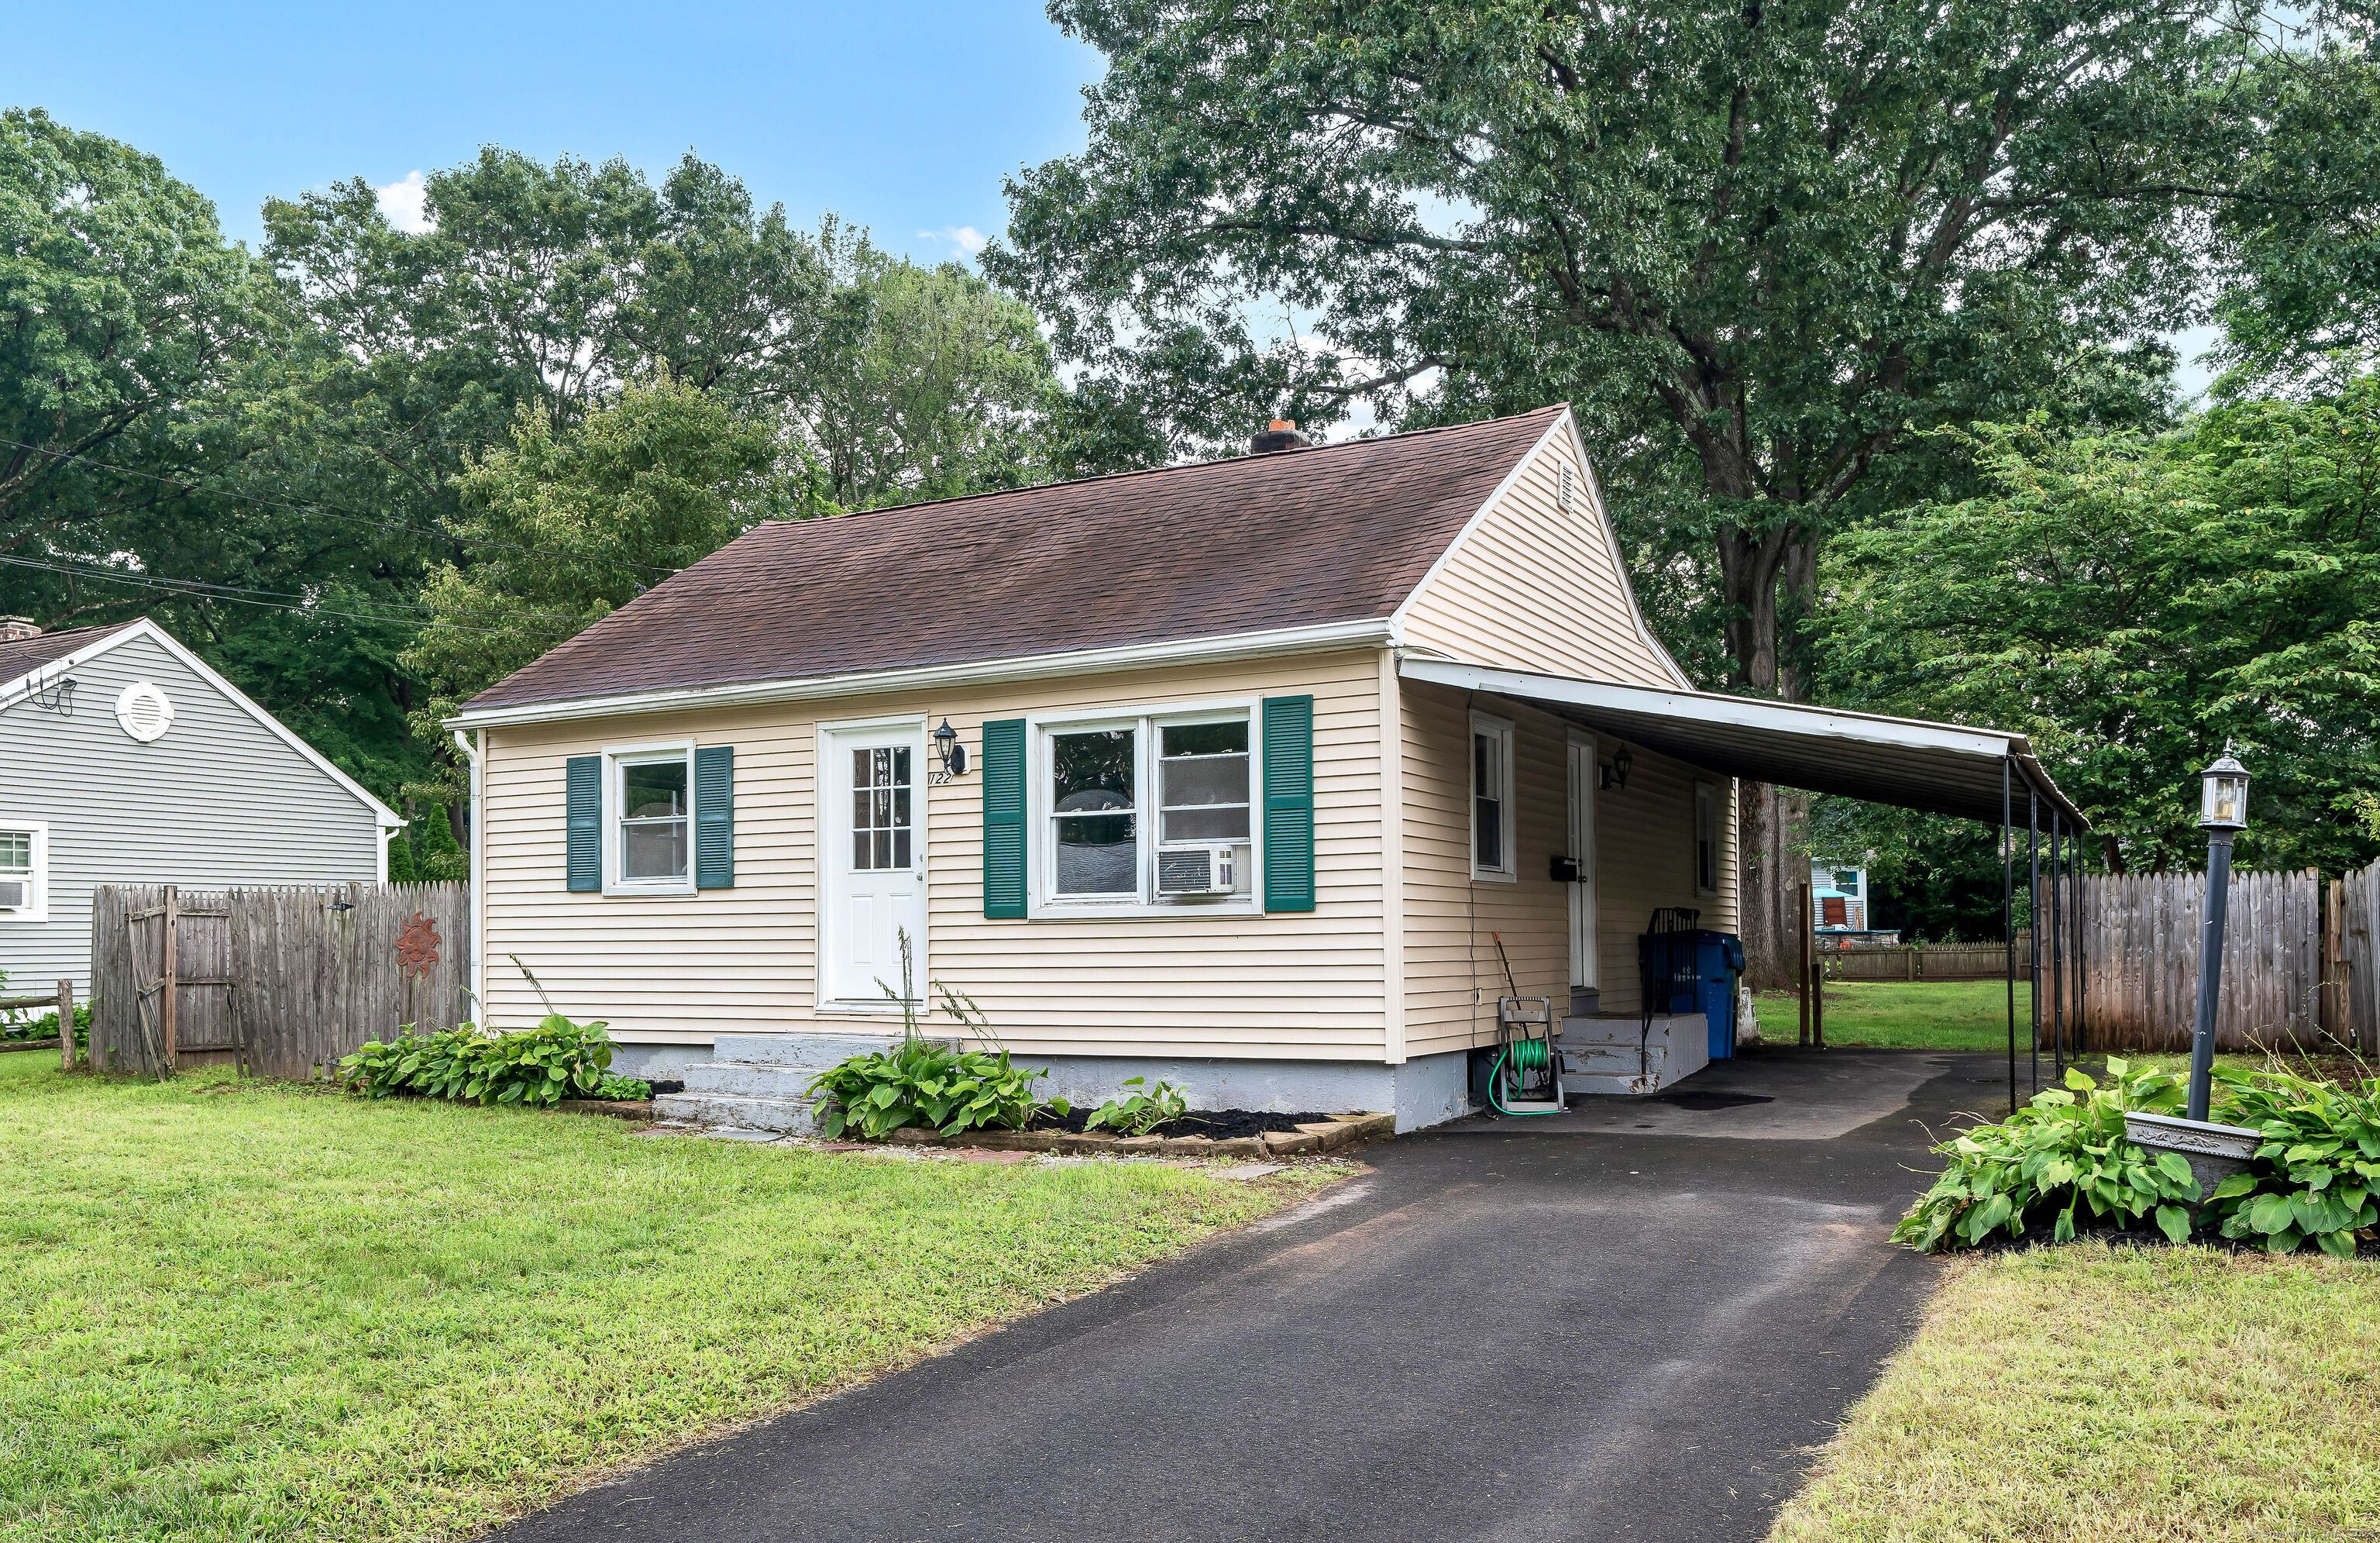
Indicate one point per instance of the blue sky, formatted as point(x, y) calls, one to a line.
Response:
point(900, 116)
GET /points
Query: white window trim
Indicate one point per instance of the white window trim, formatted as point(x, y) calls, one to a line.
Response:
point(40, 909)
point(614, 757)
point(1509, 870)
point(1706, 798)
point(1041, 851)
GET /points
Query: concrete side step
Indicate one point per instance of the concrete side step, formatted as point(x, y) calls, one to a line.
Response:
point(1582, 1060)
point(1574, 1085)
point(790, 1115)
point(814, 1052)
point(748, 1079)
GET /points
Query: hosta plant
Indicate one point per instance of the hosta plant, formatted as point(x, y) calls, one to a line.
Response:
point(2315, 1173)
point(556, 1060)
point(2061, 1153)
point(1138, 1114)
point(919, 1082)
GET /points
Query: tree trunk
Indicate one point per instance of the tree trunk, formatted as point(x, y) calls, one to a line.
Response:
point(1753, 567)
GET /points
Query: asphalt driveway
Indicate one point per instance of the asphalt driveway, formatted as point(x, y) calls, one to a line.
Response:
point(1499, 1333)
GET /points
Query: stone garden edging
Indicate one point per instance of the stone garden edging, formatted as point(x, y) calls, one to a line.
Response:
point(1321, 1135)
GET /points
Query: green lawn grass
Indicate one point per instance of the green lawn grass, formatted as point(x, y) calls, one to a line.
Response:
point(252, 1312)
point(1938, 1015)
point(2131, 1395)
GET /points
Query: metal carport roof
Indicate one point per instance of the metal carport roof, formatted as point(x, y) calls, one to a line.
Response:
point(1940, 768)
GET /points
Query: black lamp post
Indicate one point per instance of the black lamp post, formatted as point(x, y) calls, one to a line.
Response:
point(2222, 810)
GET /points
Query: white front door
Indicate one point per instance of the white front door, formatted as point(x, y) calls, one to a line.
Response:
point(872, 862)
point(1584, 773)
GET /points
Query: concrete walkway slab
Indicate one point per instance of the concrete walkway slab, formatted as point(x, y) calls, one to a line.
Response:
point(1502, 1333)
point(1809, 1096)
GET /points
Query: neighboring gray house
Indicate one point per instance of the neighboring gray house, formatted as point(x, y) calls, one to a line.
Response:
point(129, 761)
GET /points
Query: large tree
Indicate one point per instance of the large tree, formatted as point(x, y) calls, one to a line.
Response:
point(2135, 602)
point(1754, 243)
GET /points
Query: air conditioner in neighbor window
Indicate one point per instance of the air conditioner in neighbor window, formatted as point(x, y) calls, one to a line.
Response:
point(1199, 869)
point(15, 895)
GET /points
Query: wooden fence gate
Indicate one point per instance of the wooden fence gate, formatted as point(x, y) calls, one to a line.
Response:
point(282, 981)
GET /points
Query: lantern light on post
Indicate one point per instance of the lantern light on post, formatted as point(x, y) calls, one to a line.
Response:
point(2222, 810)
point(2223, 804)
point(949, 751)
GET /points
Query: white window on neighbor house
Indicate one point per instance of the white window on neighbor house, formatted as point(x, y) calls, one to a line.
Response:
point(1146, 810)
point(24, 871)
point(1493, 836)
point(1706, 845)
point(650, 804)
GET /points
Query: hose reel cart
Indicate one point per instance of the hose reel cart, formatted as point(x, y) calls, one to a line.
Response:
point(1524, 1074)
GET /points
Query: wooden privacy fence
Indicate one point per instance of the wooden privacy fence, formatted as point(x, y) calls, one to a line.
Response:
point(2354, 981)
point(2139, 985)
point(1926, 961)
point(283, 981)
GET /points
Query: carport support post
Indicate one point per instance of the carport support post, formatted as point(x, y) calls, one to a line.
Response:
point(1801, 961)
point(2032, 932)
point(2008, 920)
point(2056, 948)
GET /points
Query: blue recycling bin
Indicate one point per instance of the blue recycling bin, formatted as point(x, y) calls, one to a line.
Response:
point(1718, 959)
point(1695, 971)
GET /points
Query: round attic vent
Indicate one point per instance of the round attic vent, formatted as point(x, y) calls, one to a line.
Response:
point(144, 712)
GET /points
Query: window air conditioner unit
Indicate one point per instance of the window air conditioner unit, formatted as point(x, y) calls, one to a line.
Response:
point(1198, 870)
point(15, 895)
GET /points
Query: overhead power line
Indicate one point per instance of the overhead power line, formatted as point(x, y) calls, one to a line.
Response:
point(194, 588)
point(320, 511)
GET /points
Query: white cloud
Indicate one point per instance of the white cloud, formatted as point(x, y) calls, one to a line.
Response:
point(404, 203)
point(965, 241)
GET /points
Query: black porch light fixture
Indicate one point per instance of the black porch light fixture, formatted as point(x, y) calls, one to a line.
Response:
point(949, 751)
point(1615, 772)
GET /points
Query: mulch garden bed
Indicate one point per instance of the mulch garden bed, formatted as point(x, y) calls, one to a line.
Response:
point(1219, 1124)
point(2109, 1231)
point(1261, 1135)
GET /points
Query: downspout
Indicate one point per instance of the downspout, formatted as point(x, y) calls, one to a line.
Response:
point(478, 859)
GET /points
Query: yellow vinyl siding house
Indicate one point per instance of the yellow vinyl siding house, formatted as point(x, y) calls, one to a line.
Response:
point(708, 819)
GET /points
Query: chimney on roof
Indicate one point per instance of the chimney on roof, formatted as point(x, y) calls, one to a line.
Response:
point(16, 629)
point(1280, 434)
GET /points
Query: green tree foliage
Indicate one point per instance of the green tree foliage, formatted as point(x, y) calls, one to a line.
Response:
point(402, 869)
point(2131, 602)
point(564, 525)
point(441, 856)
point(925, 383)
point(2304, 242)
point(122, 308)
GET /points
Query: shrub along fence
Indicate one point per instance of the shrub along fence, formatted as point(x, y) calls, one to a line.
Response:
point(282, 981)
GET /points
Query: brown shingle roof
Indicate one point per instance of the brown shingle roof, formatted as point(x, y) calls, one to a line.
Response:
point(31, 653)
point(1300, 538)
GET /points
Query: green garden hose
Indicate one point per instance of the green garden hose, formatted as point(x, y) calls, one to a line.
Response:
point(1529, 1057)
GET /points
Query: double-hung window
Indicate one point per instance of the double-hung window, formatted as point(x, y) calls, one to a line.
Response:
point(24, 861)
point(1493, 836)
point(1150, 809)
point(653, 820)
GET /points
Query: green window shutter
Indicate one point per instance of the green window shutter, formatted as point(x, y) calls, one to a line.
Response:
point(1289, 803)
point(714, 817)
point(1003, 819)
point(584, 805)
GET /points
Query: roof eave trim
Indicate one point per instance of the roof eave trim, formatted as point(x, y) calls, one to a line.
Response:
point(1368, 632)
point(1739, 712)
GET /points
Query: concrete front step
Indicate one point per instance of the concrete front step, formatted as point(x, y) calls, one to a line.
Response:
point(791, 1116)
point(750, 1079)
